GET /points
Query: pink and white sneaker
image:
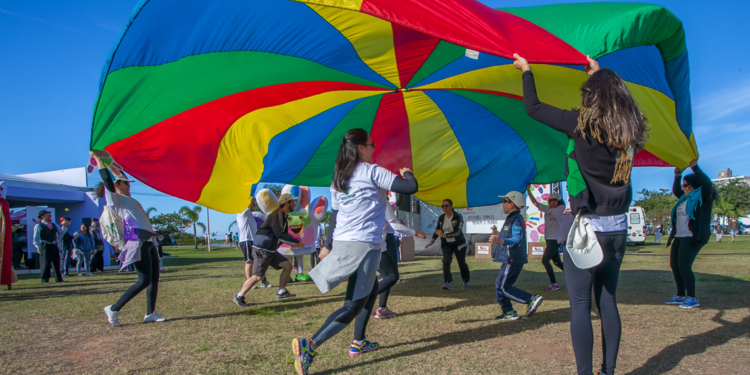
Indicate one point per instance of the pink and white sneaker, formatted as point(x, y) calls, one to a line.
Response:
point(384, 314)
point(552, 288)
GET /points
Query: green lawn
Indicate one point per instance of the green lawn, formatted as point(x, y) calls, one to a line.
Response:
point(60, 328)
point(740, 246)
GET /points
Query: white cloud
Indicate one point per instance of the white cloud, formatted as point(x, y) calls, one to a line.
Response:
point(724, 103)
point(722, 128)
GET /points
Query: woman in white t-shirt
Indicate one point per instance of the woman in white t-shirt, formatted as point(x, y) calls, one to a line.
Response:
point(140, 247)
point(553, 213)
point(358, 200)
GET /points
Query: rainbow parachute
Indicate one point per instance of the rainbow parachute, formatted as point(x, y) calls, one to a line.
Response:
point(204, 99)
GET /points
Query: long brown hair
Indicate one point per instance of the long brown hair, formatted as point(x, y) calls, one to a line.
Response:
point(348, 157)
point(100, 190)
point(609, 114)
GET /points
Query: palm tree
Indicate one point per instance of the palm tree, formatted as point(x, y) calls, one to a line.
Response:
point(231, 225)
point(192, 215)
point(150, 210)
point(724, 209)
point(203, 229)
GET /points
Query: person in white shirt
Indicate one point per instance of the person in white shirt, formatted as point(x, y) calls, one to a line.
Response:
point(247, 228)
point(358, 199)
point(45, 240)
point(140, 248)
point(552, 216)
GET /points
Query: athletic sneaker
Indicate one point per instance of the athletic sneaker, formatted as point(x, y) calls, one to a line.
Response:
point(675, 300)
point(284, 296)
point(239, 301)
point(112, 316)
point(447, 286)
point(303, 355)
point(265, 284)
point(80, 274)
point(89, 274)
point(552, 288)
point(508, 316)
point(466, 285)
point(689, 303)
point(533, 305)
point(154, 317)
point(383, 314)
point(366, 346)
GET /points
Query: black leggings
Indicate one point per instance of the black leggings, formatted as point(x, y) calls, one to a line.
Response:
point(358, 310)
point(552, 252)
point(389, 272)
point(147, 270)
point(681, 258)
point(604, 279)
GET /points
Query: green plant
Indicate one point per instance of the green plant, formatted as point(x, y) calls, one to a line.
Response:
point(192, 215)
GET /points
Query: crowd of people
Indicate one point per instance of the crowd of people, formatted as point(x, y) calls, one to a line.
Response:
point(605, 132)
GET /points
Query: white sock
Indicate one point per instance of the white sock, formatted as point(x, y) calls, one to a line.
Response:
point(240, 295)
point(281, 291)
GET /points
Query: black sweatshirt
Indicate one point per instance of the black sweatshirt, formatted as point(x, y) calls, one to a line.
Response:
point(273, 232)
point(701, 225)
point(596, 161)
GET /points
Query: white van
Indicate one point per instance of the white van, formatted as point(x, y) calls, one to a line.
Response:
point(636, 226)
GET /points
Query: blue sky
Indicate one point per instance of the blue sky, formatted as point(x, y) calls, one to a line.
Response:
point(53, 53)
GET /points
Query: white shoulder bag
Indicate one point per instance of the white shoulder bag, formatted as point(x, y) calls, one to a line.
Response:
point(582, 245)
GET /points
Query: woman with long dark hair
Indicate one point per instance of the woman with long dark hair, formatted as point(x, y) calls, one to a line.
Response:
point(691, 229)
point(605, 133)
point(140, 247)
point(358, 199)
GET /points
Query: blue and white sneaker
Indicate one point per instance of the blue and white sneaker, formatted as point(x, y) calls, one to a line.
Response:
point(366, 346)
point(689, 303)
point(303, 355)
point(675, 300)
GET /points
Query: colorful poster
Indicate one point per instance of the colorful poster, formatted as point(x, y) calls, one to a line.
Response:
point(534, 217)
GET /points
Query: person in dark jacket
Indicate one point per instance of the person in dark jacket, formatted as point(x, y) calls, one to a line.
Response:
point(691, 229)
point(511, 252)
point(605, 133)
point(66, 247)
point(267, 240)
point(450, 227)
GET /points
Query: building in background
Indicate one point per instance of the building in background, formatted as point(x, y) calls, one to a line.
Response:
point(725, 175)
point(65, 192)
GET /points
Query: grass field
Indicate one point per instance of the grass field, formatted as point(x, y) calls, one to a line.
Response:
point(60, 328)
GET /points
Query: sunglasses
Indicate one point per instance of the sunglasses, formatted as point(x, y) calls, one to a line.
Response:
point(370, 144)
point(506, 201)
point(445, 206)
point(685, 185)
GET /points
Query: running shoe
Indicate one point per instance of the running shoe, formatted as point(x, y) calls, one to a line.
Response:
point(552, 288)
point(240, 301)
point(303, 355)
point(689, 303)
point(112, 316)
point(508, 316)
point(89, 274)
point(675, 300)
point(284, 296)
point(466, 285)
point(447, 286)
point(265, 284)
point(384, 314)
point(366, 346)
point(154, 317)
point(45, 282)
point(80, 274)
point(533, 305)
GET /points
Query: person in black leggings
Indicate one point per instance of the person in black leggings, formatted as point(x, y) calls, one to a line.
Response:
point(604, 133)
point(139, 238)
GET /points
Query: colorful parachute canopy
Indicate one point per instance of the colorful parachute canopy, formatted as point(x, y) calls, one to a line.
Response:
point(202, 100)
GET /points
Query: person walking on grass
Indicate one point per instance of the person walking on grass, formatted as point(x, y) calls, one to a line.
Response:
point(605, 133)
point(691, 220)
point(719, 230)
point(734, 227)
point(65, 243)
point(658, 231)
point(45, 240)
point(247, 229)
point(359, 200)
point(140, 244)
point(269, 237)
point(553, 213)
point(83, 245)
point(450, 227)
point(511, 252)
point(97, 256)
